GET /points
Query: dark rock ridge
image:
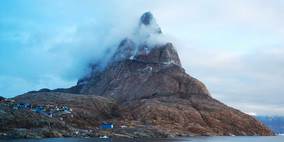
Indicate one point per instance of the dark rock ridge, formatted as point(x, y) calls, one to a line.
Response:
point(147, 18)
point(147, 89)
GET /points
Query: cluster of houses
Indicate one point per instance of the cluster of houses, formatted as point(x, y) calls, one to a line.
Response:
point(50, 111)
point(46, 110)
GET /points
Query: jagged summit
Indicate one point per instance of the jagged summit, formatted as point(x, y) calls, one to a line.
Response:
point(148, 23)
point(144, 46)
point(147, 18)
point(140, 68)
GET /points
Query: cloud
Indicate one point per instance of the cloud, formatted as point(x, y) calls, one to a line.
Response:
point(241, 79)
point(36, 53)
point(235, 47)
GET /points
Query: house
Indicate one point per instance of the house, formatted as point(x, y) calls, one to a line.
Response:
point(66, 109)
point(24, 106)
point(38, 109)
point(106, 126)
point(123, 126)
point(48, 114)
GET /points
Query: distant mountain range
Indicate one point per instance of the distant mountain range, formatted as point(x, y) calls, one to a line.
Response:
point(276, 123)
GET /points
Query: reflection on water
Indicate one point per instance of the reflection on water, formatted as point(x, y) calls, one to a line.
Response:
point(191, 139)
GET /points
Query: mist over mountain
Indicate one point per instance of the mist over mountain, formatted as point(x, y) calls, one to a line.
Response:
point(142, 86)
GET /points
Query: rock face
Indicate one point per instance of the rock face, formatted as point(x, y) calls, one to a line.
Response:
point(139, 69)
point(147, 85)
point(158, 72)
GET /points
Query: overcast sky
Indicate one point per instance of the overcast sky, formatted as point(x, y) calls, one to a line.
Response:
point(235, 47)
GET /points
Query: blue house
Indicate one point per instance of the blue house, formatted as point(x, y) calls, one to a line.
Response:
point(106, 126)
point(24, 106)
point(38, 109)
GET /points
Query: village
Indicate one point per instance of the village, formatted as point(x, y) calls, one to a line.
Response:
point(46, 110)
point(51, 111)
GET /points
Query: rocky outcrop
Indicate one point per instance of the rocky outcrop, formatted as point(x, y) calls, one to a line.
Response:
point(132, 79)
point(148, 20)
point(145, 88)
point(197, 115)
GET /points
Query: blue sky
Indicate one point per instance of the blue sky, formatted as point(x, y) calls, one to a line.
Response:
point(235, 47)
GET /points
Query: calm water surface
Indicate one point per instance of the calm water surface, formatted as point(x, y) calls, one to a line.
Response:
point(194, 139)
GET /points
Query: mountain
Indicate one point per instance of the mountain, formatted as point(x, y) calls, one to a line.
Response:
point(140, 69)
point(144, 90)
point(276, 123)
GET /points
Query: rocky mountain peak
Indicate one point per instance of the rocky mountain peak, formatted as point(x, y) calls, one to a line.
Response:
point(144, 45)
point(147, 18)
point(148, 22)
point(141, 49)
point(142, 67)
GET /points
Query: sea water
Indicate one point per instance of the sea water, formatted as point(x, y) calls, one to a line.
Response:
point(191, 139)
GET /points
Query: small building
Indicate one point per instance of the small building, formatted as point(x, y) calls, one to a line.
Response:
point(24, 106)
point(123, 126)
point(106, 126)
point(66, 109)
point(48, 114)
point(38, 109)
